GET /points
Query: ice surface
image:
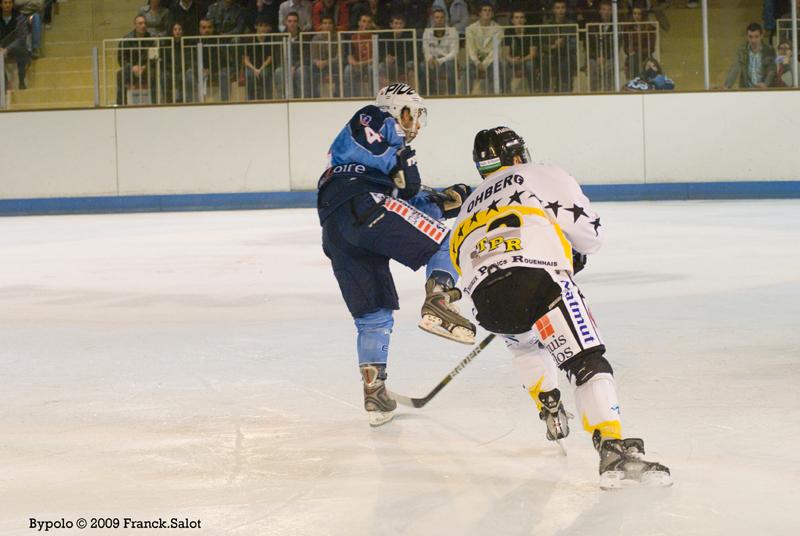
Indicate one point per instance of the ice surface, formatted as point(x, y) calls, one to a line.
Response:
point(202, 365)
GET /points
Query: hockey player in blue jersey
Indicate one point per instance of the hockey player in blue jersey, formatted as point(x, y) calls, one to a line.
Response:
point(371, 210)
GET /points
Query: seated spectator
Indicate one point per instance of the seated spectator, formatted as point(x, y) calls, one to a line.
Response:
point(397, 53)
point(587, 12)
point(338, 11)
point(358, 70)
point(520, 51)
point(216, 66)
point(559, 62)
point(33, 10)
point(295, 76)
point(754, 65)
point(157, 18)
point(302, 8)
point(13, 39)
point(172, 79)
point(456, 14)
point(439, 49)
point(377, 11)
point(783, 65)
point(414, 12)
point(483, 38)
point(262, 9)
point(135, 71)
point(227, 16)
point(652, 78)
point(188, 14)
point(258, 62)
point(324, 59)
point(639, 41)
point(601, 51)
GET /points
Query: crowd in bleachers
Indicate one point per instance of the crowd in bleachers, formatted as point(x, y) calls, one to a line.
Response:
point(21, 28)
point(443, 47)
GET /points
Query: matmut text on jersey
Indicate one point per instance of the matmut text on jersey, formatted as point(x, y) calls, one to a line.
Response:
point(528, 215)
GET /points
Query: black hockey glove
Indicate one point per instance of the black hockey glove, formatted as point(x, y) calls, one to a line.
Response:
point(578, 261)
point(454, 197)
point(406, 175)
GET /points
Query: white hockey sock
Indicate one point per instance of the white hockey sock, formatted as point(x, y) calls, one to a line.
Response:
point(598, 406)
point(537, 371)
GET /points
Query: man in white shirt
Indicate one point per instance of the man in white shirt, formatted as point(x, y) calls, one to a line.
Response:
point(482, 51)
point(440, 49)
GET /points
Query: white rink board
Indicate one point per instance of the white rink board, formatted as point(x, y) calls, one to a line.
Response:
point(203, 365)
point(58, 154)
point(203, 149)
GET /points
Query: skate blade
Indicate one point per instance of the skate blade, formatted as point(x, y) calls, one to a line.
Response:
point(656, 479)
point(379, 418)
point(561, 447)
point(611, 480)
point(433, 325)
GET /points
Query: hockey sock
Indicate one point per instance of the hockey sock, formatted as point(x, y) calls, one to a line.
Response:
point(374, 330)
point(441, 262)
point(598, 406)
point(537, 371)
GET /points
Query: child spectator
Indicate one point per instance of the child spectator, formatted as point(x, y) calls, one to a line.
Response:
point(783, 65)
point(754, 65)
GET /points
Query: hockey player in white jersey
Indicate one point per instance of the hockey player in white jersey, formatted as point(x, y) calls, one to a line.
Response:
point(518, 239)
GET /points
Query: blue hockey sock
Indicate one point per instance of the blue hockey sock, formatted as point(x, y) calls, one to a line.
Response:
point(374, 330)
point(441, 262)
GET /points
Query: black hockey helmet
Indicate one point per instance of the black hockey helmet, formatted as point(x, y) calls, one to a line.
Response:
point(496, 147)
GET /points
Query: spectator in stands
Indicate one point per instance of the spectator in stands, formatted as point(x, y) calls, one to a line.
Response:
point(188, 14)
point(173, 65)
point(375, 9)
point(639, 41)
point(132, 57)
point(783, 65)
point(227, 16)
point(258, 62)
point(264, 9)
point(33, 11)
point(559, 57)
point(483, 38)
point(359, 59)
point(439, 49)
point(13, 39)
point(520, 51)
point(157, 18)
point(324, 58)
point(397, 53)
point(296, 72)
point(787, 13)
point(216, 66)
point(652, 78)
point(754, 65)
point(338, 11)
point(587, 12)
point(456, 14)
point(601, 51)
point(414, 12)
point(302, 8)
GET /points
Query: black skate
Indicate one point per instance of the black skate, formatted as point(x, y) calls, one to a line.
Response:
point(379, 405)
point(554, 415)
point(621, 465)
point(442, 318)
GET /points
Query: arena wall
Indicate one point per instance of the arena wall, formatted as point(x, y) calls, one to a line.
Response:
point(249, 156)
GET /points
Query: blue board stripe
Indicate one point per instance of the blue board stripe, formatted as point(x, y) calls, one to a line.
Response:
point(306, 199)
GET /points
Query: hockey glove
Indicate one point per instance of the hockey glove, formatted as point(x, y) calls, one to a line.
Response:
point(578, 261)
point(406, 175)
point(454, 197)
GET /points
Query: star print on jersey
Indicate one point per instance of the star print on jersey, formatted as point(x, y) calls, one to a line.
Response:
point(596, 225)
point(492, 206)
point(474, 218)
point(534, 196)
point(516, 197)
point(577, 212)
point(554, 206)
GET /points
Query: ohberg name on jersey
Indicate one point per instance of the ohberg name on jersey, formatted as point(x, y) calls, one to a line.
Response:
point(491, 190)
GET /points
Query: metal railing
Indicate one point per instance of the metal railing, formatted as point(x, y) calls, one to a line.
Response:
point(637, 42)
point(137, 71)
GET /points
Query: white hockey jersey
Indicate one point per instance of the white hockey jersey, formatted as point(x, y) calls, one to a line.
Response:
point(528, 215)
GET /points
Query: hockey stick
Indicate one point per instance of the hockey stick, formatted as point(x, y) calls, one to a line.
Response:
point(420, 402)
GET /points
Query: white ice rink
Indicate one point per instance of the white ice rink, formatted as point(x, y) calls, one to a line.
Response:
point(202, 365)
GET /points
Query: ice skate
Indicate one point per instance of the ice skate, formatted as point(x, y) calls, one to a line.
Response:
point(380, 407)
point(621, 465)
point(554, 415)
point(441, 317)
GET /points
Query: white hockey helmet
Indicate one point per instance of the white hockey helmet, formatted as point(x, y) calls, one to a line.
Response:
point(398, 97)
